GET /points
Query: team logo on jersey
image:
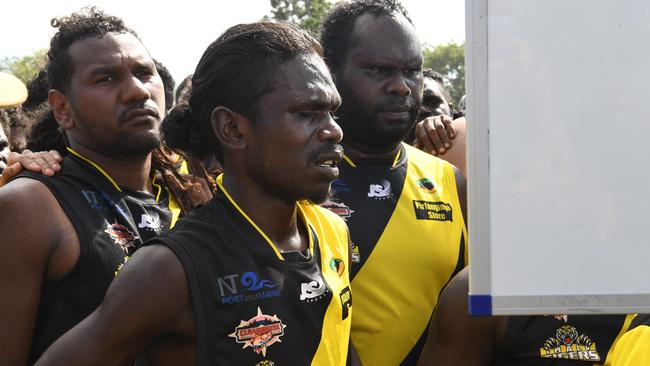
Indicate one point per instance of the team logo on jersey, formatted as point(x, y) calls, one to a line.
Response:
point(150, 221)
point(380, 191)
point(313, 290)
point(122, 236)
point(337, 265)
point(238, 289)
point(340, 186)
point(356, 256)
point(265, 363)
point(568, 344)
point(438, 211)
point(259, 332)
point(346, 301)
point(426, 185)
point(340, 209)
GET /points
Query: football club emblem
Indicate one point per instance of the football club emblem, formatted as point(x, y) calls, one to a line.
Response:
point(122, 236)
point(340, 209)
point(426, 185)
point(337, 265)
point(569, 344)
point(259, 332)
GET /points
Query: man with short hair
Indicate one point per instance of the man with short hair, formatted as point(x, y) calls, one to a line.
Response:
point(259, 275)
point(402, 205)
point(69, 234)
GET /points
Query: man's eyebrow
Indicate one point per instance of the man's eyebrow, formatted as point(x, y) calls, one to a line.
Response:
point(318, 105)
point(107, 69)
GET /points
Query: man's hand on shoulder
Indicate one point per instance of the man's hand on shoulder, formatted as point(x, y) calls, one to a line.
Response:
point(434, 134)
point(46, 162)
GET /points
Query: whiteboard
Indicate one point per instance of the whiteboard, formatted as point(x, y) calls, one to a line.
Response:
point(558, 156)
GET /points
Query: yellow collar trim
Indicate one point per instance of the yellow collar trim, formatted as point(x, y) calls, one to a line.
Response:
point(301, 214)
point(399, 153)
point(110, 179)
point(96, 167)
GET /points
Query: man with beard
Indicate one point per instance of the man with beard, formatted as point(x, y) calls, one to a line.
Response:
point(259, 275)
point(64, 237)
point(402, 205)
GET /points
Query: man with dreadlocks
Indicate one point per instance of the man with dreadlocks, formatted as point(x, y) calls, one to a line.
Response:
point(70, 233)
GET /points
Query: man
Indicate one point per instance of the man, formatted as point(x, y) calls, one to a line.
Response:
point(402, 205)
point(456, 338)
point(435, 98)
point(436, 127)
point(258, 276)
point(68, 235)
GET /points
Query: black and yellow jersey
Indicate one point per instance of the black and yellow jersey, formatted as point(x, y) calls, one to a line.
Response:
point(255, 305)
point(111, 222)
point(633, 347)
point(408, 240)
point(560, 340)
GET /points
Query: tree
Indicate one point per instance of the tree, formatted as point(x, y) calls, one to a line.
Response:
point(449, 61)
point(306, 13)
point(26, 67)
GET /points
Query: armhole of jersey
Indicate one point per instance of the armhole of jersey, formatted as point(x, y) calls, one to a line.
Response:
point(450, 178)
point(194, 287)
point(626, 326)
point(514, 327)
point(71, 214)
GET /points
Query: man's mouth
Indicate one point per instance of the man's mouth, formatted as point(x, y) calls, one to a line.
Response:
point(330, 159)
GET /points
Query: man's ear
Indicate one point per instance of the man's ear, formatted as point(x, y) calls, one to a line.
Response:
point(230, 128)
point(61, 108)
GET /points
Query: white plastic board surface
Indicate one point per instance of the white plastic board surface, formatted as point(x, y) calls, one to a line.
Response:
point(558, 156)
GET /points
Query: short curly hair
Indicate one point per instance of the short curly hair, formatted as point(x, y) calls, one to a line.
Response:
point(85, 23)
point(337, 27)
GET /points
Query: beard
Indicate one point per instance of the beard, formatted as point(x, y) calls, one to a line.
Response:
point(363, 126)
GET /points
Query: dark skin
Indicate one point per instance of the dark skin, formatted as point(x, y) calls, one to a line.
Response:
point(382, 73)
point(38, 247)
point(296, 118)
point(447, 343)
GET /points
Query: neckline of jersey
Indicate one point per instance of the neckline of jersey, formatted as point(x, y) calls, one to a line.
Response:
point(108, 177)
point(301, 217)
point(396, 160)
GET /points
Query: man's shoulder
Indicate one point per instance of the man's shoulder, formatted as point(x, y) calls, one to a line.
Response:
point(418, 157)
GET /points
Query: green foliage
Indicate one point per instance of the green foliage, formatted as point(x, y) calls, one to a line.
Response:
point(449, 61)
point(306, 13)
point(26, 67)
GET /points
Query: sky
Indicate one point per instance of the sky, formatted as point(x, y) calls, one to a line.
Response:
point(177, 32)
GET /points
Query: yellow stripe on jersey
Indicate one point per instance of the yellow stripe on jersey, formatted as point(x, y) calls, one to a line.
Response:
point(396, 290)
point(632, 348)
point(333, 238)
point(624, 328)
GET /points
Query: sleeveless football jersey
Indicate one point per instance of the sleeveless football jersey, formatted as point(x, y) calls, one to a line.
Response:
point(254, 305)
point(633, 347)
point(111, 222)
point(560, 340)
point(408, 237)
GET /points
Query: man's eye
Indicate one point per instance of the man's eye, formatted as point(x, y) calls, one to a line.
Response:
point(413, 71)
point(105, 79)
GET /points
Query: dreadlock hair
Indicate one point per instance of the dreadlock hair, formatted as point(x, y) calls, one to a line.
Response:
point(45, 133)
point(168, 83)
point(86, 23)
point(235, 71)
point(336, 30)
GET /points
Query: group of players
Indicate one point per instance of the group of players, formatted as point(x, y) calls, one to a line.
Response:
point(326, 239)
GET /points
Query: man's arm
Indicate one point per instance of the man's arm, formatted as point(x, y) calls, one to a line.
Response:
point(456, 338)
point(149, 298)
point(32, 226)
